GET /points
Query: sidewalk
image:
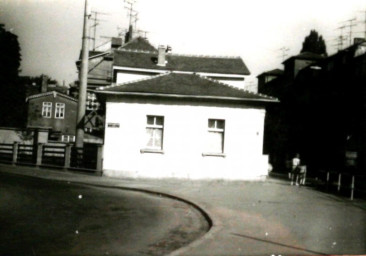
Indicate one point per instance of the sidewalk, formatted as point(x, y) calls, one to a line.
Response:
point(251, 218)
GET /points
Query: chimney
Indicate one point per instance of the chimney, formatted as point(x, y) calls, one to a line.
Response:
point(358, 40)
point(44, 85)
point(116, 42)
point(161, 56)
point(129, 34)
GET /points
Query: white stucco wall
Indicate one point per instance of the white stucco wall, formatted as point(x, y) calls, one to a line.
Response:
point(125, 77)
point(185, 130)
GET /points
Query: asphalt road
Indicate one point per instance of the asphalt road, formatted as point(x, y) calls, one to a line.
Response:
point(43, 217)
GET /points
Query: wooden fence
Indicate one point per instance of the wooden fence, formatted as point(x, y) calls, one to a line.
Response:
point(88, 158)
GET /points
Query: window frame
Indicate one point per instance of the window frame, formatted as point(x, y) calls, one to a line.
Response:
point(216, 129)
point(68, 138)
point(155, 126)
point(47, 109)
point(60, 110)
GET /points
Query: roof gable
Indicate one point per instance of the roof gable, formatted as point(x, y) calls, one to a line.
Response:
point(52, 93)
point(175, 62)
point(140, 44)
point(185, 86)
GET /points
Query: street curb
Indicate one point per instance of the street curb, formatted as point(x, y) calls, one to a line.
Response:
point(214, 226)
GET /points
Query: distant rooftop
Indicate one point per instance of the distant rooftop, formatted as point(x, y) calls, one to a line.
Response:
point(274, 72)
point(306, 56)
point(140, 44)
point(189, 63)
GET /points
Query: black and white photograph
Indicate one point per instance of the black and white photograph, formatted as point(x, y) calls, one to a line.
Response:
point(182, 127)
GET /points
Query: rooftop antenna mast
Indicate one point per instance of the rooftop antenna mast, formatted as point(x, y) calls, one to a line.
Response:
point(121, 31)
point(284, 51)
point(143, 32)
point(364, 21)
point(341, 38)
point(365, 24)
point(96, 23)
point(351, 24)
point(131, 11)
point(135, 17)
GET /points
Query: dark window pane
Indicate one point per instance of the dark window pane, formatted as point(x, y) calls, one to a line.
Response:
point(159, 120)
point(150, 120)
point(211, 123)
point(220, 124)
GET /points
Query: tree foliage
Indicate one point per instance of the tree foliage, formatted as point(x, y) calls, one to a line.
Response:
point(9, 55)
point(314, 43)
point(12, 93)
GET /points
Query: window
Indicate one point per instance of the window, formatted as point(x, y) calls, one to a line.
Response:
point(47, 109)
point(68, 138)
point(60, 110)
point(215, 136)
point(154, 132)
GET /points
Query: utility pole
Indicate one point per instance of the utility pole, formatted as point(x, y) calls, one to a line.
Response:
point(83, 79)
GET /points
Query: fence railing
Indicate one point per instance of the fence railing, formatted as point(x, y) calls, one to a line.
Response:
point(53, 155)
point(88, 158)
point(344, 181)
point(84, 157)
point(6, 153)
point(26, 154)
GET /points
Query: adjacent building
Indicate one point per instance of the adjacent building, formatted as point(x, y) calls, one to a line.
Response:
point(322, 114)
point(55, 112)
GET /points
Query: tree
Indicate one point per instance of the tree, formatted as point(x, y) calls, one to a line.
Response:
point(314, 43)
point(9, 55)
point(12, 93)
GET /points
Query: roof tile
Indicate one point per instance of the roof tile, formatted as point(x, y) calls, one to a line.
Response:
point(191, 63)
point(184, 85)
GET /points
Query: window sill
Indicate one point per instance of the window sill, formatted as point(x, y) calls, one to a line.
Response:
point(150, 150)
point(214, 154)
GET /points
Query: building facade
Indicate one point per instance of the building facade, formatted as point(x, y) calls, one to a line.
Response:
point(54, 111)
point(183, 126)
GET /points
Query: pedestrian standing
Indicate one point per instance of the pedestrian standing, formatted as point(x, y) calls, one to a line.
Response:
point(295, 170)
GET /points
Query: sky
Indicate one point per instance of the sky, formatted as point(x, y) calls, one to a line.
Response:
point(50, 31)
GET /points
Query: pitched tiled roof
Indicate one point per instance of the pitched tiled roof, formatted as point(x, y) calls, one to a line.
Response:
point(190, 63)
point(140, 44)
point(54, 93)
point(184, 86)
